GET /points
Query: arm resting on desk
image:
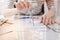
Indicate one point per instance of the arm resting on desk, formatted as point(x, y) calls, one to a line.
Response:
point(10, 12)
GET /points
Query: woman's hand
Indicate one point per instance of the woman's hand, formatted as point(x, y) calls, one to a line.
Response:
point(47, 18)
point(21, 5)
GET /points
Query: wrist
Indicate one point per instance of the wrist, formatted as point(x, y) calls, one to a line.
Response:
point(50, 13)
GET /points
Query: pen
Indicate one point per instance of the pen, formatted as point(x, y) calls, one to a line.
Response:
point(6, 33)
point(5, 21)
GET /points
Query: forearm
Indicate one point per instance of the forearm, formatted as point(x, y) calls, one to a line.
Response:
point(9, 12)
point(51, 8)
point(50, 4)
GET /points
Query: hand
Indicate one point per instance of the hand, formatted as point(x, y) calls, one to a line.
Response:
point(47, 18)
point(22, 5)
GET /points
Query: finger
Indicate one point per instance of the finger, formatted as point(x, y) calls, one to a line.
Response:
point(46, 21)
point(29, 5)
point(50, 21)
point(26, 4)
point(41, 18)
point(53, 21)
point(44, 18)
point(22, 4)
point(18, 6)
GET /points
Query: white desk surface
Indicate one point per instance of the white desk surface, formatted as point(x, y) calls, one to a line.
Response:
point(21, 30)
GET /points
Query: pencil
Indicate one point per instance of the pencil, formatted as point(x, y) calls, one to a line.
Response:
point(1, 23)
point(6, 33)
point(5, 21)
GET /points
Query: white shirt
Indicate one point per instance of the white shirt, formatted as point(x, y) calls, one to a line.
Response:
point(5, 4)
point(10, 4)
